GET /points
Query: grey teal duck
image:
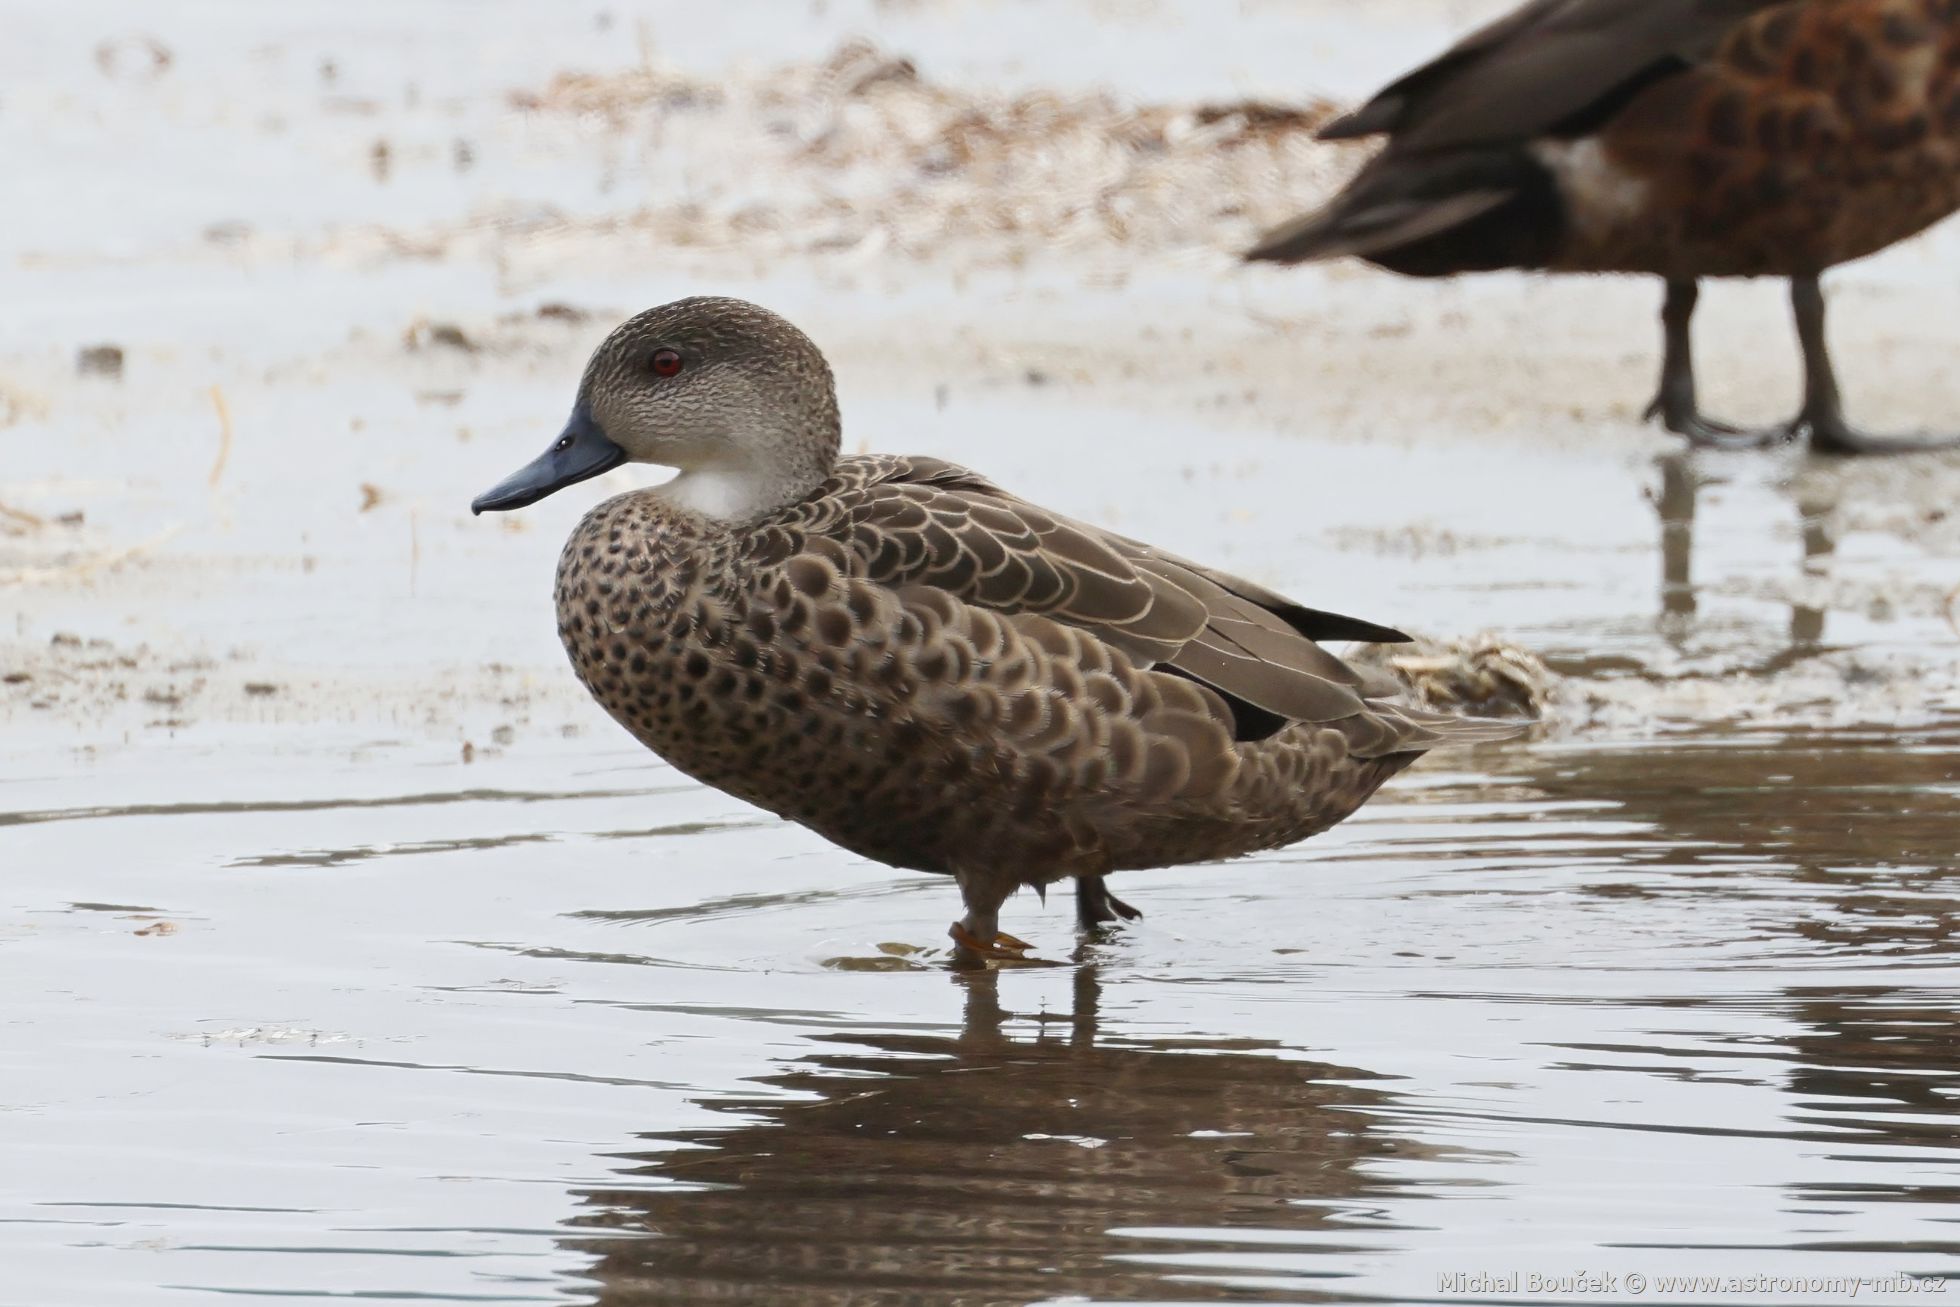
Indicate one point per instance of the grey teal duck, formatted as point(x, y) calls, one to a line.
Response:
point(1681, 138)
point(920, 666)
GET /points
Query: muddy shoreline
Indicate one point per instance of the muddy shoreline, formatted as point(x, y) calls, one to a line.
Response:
point(258, 514)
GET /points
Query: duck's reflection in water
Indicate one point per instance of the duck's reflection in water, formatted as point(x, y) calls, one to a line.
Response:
point(1815, 499)
point(1876, 1076)
point(990, 1167)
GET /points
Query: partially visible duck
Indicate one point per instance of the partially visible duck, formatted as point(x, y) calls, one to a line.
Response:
point(1682, 138)
point(920, 666)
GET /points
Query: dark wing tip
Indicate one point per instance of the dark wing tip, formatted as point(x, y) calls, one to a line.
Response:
point(1371, 119)
point(1292, 242)
point(1316, 624)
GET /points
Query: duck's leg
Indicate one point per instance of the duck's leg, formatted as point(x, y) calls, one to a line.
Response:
point(1095, 906)
point(1675, 403)
point(1822, 418)
point(977, 937)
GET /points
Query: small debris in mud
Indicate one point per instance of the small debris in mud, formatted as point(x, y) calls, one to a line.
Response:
point(424, 334)
point(158, 928)
point(503, 735)
point(873, 156)
point(371, 496)
point(223, 410)
point(16, 678)
point(1264, 115)
point(446, 398)
point(19, 520)
point(99, 361)
point(859, 66)
point(260, 689)
point(469, 752)
point(380, 160)
point(133, 58)
point(1482, 675)
point(555, 312)
point(462, 155)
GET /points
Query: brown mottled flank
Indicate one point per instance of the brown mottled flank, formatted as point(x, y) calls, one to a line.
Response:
point(1683, 138)
point(934, 673)
point(1816, 133)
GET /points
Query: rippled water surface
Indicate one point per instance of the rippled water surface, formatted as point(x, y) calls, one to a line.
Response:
point(571, 1030)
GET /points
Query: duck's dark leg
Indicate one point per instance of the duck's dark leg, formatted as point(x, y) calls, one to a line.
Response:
point(1096, 906)
point(1675, 403)
point(977, 937)
point(1822, 419)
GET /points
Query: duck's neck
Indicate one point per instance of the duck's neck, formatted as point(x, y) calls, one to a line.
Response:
point(747, 482)
point(731, 495)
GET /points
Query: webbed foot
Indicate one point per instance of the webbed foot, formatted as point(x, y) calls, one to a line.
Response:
point(1710, 433)
point(970, 951)
point(1096, 907)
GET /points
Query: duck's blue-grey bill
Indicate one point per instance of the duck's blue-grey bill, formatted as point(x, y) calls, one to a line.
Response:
point(582, 451)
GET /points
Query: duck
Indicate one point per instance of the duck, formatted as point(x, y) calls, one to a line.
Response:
point(1684, 139)
point(922, 667)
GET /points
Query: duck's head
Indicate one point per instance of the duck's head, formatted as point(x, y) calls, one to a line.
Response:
point(737, 399)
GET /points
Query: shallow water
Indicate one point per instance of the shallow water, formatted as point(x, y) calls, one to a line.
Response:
point(564, 1029)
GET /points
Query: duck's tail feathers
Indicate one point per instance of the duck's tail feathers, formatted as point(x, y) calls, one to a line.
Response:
point(1432, 213)
point(1445, 729)
point(1351, 227)
point(1402, 728)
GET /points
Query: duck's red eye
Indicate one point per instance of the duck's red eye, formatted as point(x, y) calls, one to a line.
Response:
point(666, 362)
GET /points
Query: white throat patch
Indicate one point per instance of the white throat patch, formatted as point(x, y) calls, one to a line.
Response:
point(720, 494)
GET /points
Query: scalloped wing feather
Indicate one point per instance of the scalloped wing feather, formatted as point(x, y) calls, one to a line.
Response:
point(916, 521)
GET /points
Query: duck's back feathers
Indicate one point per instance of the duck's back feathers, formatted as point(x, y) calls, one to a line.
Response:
point(1549, 68)
point(922, 522)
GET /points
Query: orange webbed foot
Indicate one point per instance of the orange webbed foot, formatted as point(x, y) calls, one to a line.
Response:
point(969, 950)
